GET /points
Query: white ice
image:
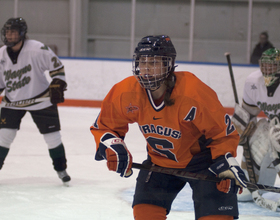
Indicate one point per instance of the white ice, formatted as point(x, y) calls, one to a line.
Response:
point(31, 190)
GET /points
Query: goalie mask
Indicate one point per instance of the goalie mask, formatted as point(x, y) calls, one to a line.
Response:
point(17, 24)
point(153, 61)
point(270, 66)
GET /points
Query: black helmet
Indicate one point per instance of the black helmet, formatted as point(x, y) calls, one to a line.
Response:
point(18, 24)
point(160, 47)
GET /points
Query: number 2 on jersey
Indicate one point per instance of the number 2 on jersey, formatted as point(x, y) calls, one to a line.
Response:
point(230, 126)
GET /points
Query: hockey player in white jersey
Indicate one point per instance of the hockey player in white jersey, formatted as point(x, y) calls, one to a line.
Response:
point(23, 63)
point(262, 93)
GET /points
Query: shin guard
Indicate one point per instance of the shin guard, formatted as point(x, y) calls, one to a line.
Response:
point(58, 157)
point(3, 154)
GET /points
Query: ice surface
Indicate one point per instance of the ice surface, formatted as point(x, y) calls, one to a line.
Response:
point(30, 189)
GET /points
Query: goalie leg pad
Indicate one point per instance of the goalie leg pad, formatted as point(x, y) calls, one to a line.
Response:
point(240, 119)
point(268, 173)
point(259, 142)
point(274, 133)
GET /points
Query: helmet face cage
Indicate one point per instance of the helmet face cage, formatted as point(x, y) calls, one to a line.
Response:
point(153, 60)
point(270, 66)
point(151, 71)
point(17, 24)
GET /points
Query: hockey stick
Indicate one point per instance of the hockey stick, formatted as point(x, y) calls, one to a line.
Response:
point(247, 152)
point(198, 176)
point(25, 102)
point(227, 54)
point(257, 198)
point(248, 155)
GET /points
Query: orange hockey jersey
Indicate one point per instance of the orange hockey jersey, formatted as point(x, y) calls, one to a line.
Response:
point(172, 132)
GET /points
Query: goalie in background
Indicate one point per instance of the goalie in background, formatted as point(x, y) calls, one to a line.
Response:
point(261, 93)
point(22, 77)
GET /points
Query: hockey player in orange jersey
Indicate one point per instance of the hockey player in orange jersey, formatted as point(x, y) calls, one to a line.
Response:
point(185, 127)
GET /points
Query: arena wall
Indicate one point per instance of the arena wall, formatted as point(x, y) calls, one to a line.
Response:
point(89, 80)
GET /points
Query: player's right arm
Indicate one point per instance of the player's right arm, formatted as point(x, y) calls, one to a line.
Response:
point(109, 131)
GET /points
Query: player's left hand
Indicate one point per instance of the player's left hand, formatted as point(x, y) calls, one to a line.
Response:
point(56, 90)
point(227, 167)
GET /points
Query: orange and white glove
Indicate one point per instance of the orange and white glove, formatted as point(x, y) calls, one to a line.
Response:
point(118, 157)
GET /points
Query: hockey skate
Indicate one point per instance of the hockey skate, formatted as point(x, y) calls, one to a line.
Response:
point(63, 175)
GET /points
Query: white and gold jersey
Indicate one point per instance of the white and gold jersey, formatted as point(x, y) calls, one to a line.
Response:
point(26, 78)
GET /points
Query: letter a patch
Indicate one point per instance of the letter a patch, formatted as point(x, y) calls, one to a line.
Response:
point(191, 115)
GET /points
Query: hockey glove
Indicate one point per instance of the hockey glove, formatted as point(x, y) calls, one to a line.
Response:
point(118, 157)
point(56, 90)
point(229, 186)
point(228, 168)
